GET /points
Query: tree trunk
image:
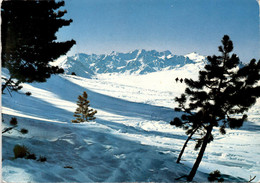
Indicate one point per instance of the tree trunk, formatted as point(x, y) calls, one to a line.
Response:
point(6, 84)
point(200, 155)
point(185, 145)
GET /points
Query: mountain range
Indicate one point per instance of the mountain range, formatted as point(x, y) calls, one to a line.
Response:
point(134, 62)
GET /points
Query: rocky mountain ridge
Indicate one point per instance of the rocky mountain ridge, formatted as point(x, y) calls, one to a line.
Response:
point(134, 62)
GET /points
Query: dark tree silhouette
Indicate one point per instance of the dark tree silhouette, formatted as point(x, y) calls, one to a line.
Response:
point(190, 133)
point(215, 176)
point(222, 91)
point(28, 39)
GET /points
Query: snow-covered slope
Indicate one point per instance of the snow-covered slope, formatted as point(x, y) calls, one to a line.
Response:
point(131, 139)
point(135, 62)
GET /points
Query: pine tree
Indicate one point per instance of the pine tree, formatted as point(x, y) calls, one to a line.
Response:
point(83, 113)
point(29, 41)
point(219, 99)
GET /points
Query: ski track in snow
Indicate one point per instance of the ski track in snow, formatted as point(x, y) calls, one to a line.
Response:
point(131, 139)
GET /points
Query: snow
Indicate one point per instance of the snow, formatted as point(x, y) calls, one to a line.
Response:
point(134, 62)
point(195, 56)
point(169, 56)
point(131, 139)
point(59, 61)
point(162, 57)
point(139, 52)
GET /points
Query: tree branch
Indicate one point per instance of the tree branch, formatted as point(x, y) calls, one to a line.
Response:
point(251, 179)
point(8, 129)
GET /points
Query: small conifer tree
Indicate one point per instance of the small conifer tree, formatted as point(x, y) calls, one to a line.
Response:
point(83, 113)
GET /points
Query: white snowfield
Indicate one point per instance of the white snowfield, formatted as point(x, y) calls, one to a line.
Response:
point(130, 141)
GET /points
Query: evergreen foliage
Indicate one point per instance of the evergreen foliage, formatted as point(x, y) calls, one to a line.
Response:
point(23, 131)
point(31, 156)
point(215, 176)
point(42, 159)
point(220, 98)
point(28, 93)
point(20, 151)
point(29, 41)
point(83, 113)
point(23, 152)
point(11, 84)
point(13, 121)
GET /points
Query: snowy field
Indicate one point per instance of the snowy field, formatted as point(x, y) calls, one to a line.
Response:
point(131, 139)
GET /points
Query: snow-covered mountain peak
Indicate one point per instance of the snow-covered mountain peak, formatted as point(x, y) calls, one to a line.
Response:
point(196, 57)
point(139, 61)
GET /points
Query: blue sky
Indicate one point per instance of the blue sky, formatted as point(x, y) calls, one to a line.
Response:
point(181, 26)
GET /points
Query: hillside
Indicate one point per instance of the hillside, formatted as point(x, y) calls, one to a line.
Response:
point(131, 139)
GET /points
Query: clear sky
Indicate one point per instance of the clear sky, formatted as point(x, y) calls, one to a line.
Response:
point(181, 26)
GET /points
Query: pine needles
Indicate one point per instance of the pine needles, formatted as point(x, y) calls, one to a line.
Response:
point(83, 113)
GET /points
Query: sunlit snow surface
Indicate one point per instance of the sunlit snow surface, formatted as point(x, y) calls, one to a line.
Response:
point(131, 139)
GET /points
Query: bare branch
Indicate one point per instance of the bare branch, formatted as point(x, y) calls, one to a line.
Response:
point(8, 129)
point(251, 178)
